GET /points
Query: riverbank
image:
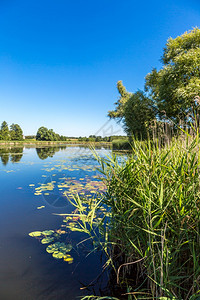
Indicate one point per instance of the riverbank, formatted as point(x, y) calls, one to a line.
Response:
point(50, 143)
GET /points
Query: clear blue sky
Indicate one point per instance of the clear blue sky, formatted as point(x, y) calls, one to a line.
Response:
point(60, 60)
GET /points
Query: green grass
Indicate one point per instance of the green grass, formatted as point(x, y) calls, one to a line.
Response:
point(150, 229)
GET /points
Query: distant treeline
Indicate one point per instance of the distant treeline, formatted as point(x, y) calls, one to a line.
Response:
point(15, 133)
point(94, 138)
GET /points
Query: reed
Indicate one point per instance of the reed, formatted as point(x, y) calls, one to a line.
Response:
point(150, 228)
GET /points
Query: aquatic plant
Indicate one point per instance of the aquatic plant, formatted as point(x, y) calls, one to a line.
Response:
point(57, 249)
point(150, 228)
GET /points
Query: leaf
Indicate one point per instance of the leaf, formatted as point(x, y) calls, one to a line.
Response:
point(48, 232)
point(47, 240)
point(35, 233)
point(58, 255)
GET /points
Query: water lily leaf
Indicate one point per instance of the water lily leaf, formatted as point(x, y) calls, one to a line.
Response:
point(47, 240)
point(58, 255)
point(35, 233)
point(48, 232)
point(68, 259)
point(51, 248)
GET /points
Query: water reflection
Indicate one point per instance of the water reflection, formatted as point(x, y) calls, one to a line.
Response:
point(44, 153)
point(13, 154)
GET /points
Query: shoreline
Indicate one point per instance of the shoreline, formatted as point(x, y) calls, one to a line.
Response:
point(51, 143)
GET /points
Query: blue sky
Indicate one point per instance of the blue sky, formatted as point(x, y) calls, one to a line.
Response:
point(60, 60)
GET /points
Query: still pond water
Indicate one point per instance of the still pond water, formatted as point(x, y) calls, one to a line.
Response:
point(32, 184)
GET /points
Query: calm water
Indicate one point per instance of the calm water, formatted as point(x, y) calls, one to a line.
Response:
point(27, 271)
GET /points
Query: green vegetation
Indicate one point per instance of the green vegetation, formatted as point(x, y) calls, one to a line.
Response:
point(150, 229)
point(177, 84)
point(44, 134)
point(58, 250)
point(94, 138)
point(121, 144)
point(14, 134)
point(171, 94)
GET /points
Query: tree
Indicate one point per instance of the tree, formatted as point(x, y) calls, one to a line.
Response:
point(16, 132)
point(134, 110)
point(42, 134)
point(139, 111)
point(177, 84)
point(118, 112)
point(45, 134)
point(4, 131)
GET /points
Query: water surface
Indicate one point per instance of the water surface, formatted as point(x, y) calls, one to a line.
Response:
point(27, 271)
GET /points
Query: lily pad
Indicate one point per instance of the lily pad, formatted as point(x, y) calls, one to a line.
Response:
point(47, 240)
point(51, 248)
point(35, 233)
point(48, 232)
point(59, 247)
point(58, 255)
point(68, 258)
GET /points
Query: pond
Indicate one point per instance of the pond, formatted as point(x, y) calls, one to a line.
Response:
point(35, 185)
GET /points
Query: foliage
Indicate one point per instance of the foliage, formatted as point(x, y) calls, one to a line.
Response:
point(121, 144)
point(45, 134)
point(30, 137)
point(16, 133)
point(139, 112)
point(135, 110)
point(118, 112)
point(150, 229)
point(4, 131)
point(58, 250)
point(176, 85)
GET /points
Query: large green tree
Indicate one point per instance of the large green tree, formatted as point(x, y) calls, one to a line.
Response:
point(177, 84)
point(134, 110)
point(45, 134)
point(16, 132)
point(139, 112)
point(4, 131)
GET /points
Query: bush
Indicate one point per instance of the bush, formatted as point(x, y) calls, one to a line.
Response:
point(121, 144)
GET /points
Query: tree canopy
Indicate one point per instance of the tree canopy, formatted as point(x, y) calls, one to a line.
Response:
point(135, 110)
point(177, 84)
point(4, 131)
point(139, 111)
point(118, 112)
point(16, 132)
point(172, 93)
point(45, 134)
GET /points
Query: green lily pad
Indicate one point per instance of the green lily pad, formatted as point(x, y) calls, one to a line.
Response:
point(48, 232)
point(58, 255)
point(51, 248)
point(47, 240)
point(58, 247)
point(35, 233)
